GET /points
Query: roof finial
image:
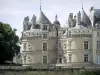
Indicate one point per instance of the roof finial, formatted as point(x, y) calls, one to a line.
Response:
point(82, 4)
point(40, 4)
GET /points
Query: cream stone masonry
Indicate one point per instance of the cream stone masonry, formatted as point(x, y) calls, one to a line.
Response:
point(44, 42)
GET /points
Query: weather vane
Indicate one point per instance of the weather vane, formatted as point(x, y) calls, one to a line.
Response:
point(56, 17)
point(82, 4)
point(40, 4)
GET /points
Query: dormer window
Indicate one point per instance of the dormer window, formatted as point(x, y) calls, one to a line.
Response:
point(44, 27)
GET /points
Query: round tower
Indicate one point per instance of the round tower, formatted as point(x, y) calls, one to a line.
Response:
point(56, 23)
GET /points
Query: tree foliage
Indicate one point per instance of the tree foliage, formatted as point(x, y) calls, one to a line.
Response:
point(8, 43)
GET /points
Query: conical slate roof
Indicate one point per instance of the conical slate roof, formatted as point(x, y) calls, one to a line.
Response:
point(85, 21)
point(56, 21)
point(42, 19)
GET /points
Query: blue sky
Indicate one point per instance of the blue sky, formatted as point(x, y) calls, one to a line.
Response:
point(14, 11)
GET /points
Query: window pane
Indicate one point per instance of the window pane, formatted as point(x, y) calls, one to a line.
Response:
point(70, 57)
point(24, 59)
point(44, 59)
point(98, 59)
point(44, 35)
point(44, 27)
point(85, 57)
point(85, 44)
point(98, 44)
point(37, 26)
point(60, 60)
point(98, 34)
point(44, 46)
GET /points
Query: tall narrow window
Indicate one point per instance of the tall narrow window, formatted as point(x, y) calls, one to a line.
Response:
point(64, 46)
point(85, 44)
point(98, 59)
point(85, 57)
point(98, 34)
point(44, 35)
point(44, 27)
point(44, 46)
point(70, 57)
point(44, 59)
point(59, 45)
point(98, 45)
point(24, 59)
point(69, 34)
point(60, 60)
point(24, 45)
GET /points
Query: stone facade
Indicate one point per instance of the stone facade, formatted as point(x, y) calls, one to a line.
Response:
point(44, 42)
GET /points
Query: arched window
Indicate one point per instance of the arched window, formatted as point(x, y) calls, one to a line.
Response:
point(37, 26)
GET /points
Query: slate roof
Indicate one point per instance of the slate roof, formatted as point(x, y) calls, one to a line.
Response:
point(85, 21)
point(42, 19)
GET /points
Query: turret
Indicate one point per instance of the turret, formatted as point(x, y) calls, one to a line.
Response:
point(42, 22)
point(56, 23)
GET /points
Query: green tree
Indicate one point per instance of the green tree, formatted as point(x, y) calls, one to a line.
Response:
point(8, 43)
